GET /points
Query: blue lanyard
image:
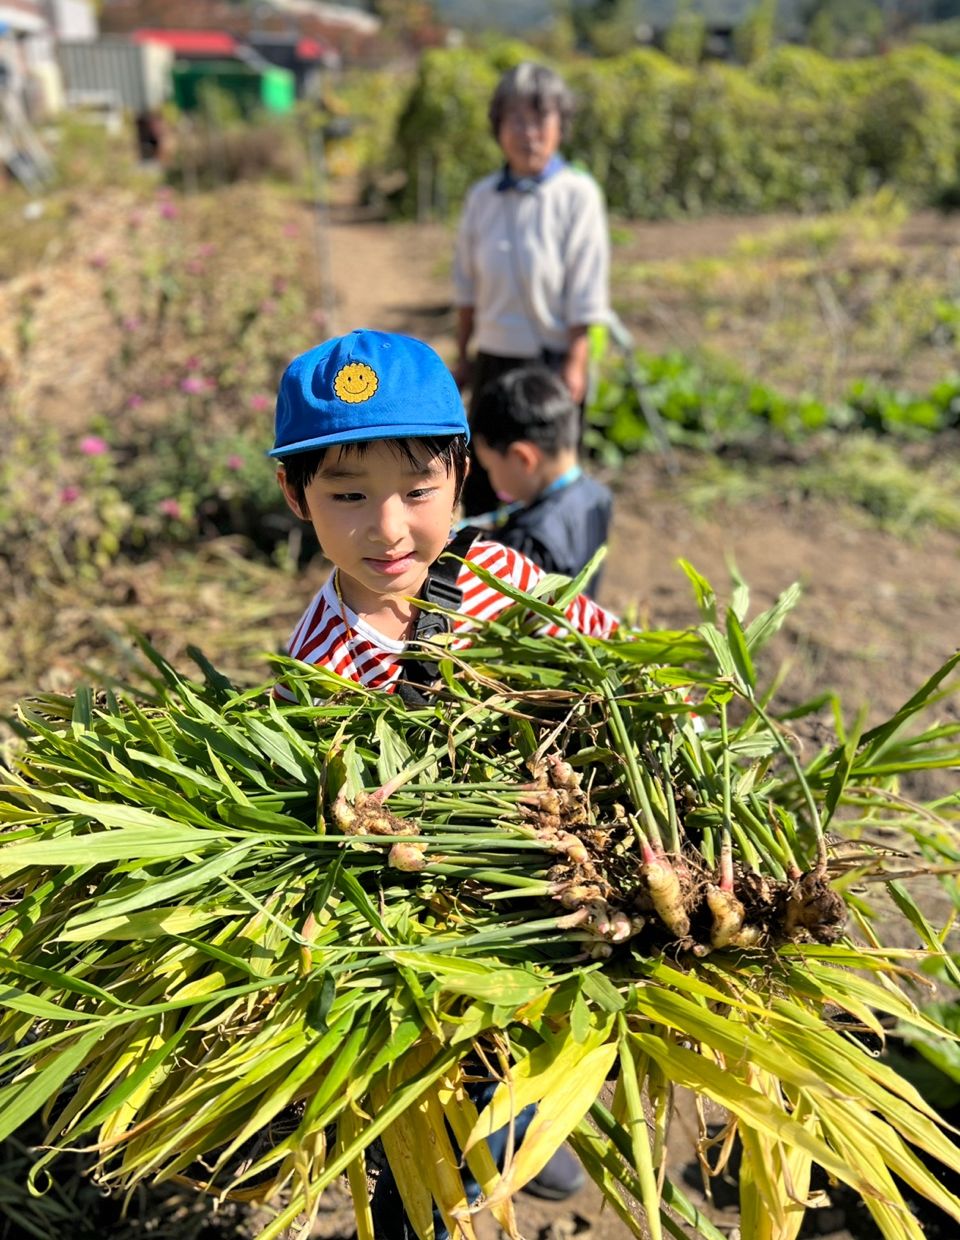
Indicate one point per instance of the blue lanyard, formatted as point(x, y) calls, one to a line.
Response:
point(500, 516)
point(558, 484)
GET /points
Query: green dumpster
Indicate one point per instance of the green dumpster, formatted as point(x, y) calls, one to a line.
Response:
point(269, 90)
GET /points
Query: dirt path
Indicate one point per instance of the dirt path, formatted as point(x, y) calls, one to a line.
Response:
point(393, 277)
point(396, 276)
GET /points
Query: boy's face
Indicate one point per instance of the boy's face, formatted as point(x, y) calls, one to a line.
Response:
point(513, 472)
point(380, 519)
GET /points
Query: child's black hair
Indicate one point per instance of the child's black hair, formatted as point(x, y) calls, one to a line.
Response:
point(302, 467)
point(530, 403)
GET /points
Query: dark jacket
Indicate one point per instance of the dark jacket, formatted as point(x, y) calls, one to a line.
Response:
point(561, 530)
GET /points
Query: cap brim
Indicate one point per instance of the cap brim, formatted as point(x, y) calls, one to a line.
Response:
point(365, 434)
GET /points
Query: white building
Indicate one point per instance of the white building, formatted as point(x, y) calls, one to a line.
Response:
point(29, 31)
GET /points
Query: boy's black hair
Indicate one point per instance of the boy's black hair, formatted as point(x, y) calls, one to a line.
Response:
point(302, 467)
point(530, 403)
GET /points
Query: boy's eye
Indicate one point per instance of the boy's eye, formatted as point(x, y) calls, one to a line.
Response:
point(346, 497)
point(422, 492)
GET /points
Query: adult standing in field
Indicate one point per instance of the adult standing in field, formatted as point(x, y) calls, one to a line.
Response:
point(532, 261)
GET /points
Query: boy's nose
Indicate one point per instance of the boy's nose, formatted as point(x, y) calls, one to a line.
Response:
point(389, 521)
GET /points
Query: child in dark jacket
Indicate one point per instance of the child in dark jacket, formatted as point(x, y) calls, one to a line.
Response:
point(526, 429)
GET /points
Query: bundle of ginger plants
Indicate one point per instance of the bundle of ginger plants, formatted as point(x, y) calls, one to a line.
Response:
point(241, 940)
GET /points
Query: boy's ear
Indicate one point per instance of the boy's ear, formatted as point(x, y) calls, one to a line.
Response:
point(525, 453)
point(293, 500)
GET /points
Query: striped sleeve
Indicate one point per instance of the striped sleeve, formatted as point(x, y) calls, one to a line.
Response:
point(484, 602)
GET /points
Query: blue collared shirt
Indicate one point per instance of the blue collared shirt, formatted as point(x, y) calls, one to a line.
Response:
point(526, 185)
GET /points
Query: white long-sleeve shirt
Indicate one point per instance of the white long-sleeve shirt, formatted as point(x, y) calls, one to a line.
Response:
point(533, 264)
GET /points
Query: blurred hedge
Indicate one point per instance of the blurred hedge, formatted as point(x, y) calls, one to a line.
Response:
point(795, 131)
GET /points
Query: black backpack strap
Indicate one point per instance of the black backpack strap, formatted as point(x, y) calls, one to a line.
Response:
point(441, 589)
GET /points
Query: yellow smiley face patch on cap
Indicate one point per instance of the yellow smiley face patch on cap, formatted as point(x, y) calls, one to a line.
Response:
point(355, 382)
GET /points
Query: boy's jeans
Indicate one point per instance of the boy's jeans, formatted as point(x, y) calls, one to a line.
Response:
point(389, 1220)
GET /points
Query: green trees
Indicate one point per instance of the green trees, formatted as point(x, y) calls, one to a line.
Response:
point(835, 27)
point(685, 37)
point(661, 136)
point(606, 27)
point(753, 38)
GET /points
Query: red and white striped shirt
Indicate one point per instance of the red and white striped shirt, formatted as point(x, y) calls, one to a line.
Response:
point(345, 643)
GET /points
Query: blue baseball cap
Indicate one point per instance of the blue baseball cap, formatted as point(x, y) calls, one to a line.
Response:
point(362, 386)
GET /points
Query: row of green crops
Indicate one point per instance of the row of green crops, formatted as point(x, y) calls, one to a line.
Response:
point(216, 908)
point(796, 131)
point(697, 409)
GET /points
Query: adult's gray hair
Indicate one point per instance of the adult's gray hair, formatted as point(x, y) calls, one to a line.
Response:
point(536, 86)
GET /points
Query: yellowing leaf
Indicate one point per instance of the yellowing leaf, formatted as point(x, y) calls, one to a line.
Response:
point(558, 1113)
point(152, 924)
point(702, 1075)
point(461, 1115)
point(535, 1076)
point(347, 1129)
point(885, 1204)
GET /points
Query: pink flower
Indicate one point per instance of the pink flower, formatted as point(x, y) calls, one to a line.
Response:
point(98, 261)
point(259, 402)
point(206, 250)
point(319, 319)
point(168, 211)
point(131, 325)
point(193, 363)
point(279, 286)
point(170, 508)
point(69, 494)
point(193, 385)
point(268, 306)
point(291, 230)
point(195, 267)
point(134, 401)
point(234, 462)
point(93, 445)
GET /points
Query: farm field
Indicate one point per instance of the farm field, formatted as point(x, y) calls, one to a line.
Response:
point(876, 549)
point(870, 529)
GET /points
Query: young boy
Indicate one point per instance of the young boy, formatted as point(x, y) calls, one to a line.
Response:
point(526, 428)
point(372, 437)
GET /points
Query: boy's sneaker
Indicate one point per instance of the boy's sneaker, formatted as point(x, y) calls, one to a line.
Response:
point(560, 1178)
